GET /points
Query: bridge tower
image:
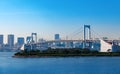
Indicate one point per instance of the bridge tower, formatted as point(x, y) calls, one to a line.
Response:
point(87, 34)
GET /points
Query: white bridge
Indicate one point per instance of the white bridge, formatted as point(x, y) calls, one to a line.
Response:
point(87, 42)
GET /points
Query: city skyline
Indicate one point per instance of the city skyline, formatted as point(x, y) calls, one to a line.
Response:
point(49, 17)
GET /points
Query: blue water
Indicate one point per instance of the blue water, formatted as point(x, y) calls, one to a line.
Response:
point(70, 65)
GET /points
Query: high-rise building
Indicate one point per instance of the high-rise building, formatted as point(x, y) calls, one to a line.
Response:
point(1, 39)
point(20, 40)
point(11, 40)
point(57, 37)
point(34, 37)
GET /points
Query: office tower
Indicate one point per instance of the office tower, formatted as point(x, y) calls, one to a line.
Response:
point(34, 37)
point(20, 41)
point(11, 40)
point(57, 37)
point(1, 39)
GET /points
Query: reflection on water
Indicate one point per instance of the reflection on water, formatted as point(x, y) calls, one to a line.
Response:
point(70, 65)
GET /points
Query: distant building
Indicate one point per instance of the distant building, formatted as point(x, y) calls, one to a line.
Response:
point(57, 37)
point(41, 40)
point(11, 40)
point(105, 38)
point(20, 41)
point(28, 39)
point(34, 37)
point(1, 39)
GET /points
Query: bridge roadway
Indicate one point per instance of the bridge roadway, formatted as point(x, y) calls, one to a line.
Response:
point(87, 41)
point(55, 41)
point(115, 42)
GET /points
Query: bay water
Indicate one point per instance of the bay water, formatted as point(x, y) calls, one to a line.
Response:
point(58, 65)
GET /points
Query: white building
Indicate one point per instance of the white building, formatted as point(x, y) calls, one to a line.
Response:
point(105, 47)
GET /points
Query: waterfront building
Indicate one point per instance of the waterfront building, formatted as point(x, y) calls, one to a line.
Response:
point(116, 46)
point(1, 39)
point(20, 41)
point(57, 37)
point(11, 40)
point(105, 46)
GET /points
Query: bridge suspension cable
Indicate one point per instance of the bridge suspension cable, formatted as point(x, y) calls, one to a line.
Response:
point(94, 33)
point(78, 31)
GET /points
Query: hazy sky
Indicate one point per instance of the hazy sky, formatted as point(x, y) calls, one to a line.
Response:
point(47, 17)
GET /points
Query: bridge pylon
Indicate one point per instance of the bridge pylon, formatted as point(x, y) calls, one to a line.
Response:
point(87, 34)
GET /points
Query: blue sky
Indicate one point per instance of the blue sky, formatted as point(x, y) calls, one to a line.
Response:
point(47, 17)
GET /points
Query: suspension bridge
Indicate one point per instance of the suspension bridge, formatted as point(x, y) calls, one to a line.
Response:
point(86, 40)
